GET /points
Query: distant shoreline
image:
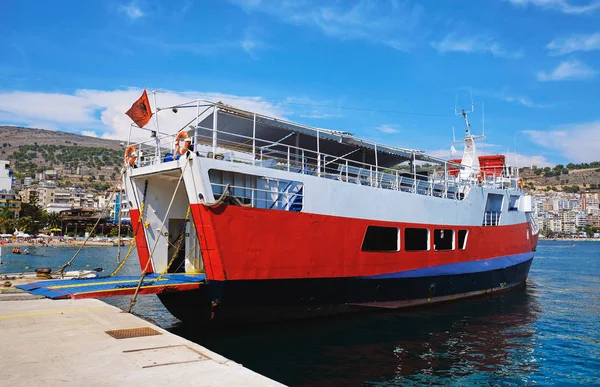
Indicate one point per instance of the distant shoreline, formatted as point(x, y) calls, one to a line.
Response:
point(571, 239)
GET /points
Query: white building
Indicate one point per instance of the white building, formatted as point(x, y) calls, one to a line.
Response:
point(568, 219)
point(555, 225)
point(5, 176)
point(58, 207)
point(560, 204)
point(565, 204)
point(581, 218)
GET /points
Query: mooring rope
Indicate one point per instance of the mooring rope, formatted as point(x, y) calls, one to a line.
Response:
point(133, 243)
point(108, 202)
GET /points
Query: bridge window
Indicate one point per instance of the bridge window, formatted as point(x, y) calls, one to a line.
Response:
point(382, 239)
point(462, 239)
point(416, 239)
point(443, 240)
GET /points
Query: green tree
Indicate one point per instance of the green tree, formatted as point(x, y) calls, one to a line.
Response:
point(33, 217)
point(7, 219)
point(53, 220)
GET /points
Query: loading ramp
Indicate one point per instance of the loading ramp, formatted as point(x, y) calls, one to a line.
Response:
point(113, 286)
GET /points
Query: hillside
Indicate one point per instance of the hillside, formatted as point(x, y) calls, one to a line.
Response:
point(569, 178)
point(18, 136)
point(32, 151)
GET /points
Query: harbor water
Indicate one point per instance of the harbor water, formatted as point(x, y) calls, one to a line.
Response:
point(545, 333)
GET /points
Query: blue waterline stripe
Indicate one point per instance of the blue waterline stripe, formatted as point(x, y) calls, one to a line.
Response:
point(460, 267)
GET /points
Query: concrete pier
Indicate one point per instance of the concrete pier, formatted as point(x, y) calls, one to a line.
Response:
point(90, 343)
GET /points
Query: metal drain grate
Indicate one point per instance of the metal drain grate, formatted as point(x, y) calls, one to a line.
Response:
point(132, 332)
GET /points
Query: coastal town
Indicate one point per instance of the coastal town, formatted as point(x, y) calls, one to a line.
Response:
point(39, 206)
point(566, 199)
point(567, 215)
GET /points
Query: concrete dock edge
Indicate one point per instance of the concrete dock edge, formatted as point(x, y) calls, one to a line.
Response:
point(63, 343)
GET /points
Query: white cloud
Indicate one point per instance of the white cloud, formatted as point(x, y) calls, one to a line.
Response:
point(387, 129)
point(390, 23)
point(132, 11)
point(525, 101)
point(577, 142)
point(320, 115)
point(508, 96)
point(444, 154)
point(71, 109)
point(576, 42)
point(453, 42)
point(248, 45)
point(89, 133)
point(564, 6)
point(102, 113)
point(568, 70)
point(251, 44)
point(521, 160)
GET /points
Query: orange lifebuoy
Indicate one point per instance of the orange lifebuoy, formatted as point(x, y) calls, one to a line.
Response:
point(480, 176)
point(520, 182)
point(130, 155)
point(179, 149)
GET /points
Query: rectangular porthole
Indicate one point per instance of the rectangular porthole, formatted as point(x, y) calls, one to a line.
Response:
point(462, 239)
point(416, 239)
point(382, 239)
point(443, 239)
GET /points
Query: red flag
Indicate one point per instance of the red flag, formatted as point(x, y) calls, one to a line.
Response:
point(140, 111)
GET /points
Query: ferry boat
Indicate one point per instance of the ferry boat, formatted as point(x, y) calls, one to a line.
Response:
point(292, 221)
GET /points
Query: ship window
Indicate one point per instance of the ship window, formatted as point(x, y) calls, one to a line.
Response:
point(416, 239)
point(462, 239)
point(513, 204)
point(443, 240)
point(381, 239)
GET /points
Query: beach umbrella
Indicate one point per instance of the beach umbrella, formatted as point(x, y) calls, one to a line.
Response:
point(43, 236)
point(6, 235)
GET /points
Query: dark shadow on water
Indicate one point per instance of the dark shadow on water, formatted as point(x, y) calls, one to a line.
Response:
point(479, 340)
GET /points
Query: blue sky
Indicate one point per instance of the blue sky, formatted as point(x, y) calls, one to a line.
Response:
point(78, 65)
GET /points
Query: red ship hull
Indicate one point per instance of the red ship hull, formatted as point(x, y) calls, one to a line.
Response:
point(268, 265)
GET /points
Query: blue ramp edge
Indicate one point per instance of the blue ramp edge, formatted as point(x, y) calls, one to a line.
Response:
point(110, 286)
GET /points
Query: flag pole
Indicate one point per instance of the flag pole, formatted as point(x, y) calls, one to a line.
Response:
point(157, 150)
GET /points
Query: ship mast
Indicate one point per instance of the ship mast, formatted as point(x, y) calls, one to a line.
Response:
point(470, 158)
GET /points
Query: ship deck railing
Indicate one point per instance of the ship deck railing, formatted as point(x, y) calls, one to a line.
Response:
point(491, 218)
point(252, 150)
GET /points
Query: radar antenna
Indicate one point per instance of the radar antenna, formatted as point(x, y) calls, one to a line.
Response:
point(464, 113)
point(465, 116)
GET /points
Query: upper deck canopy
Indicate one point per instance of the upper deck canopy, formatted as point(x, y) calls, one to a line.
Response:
point(235, 127)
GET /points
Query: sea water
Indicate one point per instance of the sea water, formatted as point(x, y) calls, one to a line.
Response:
point(546, 333)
